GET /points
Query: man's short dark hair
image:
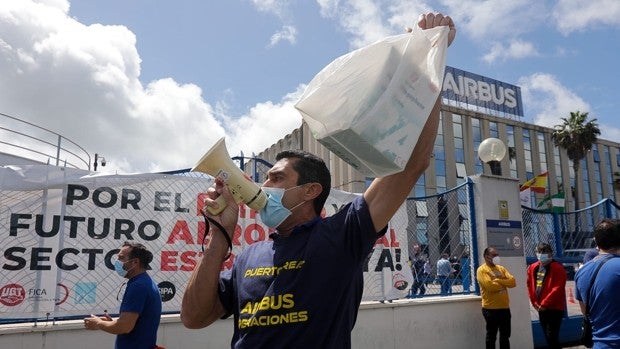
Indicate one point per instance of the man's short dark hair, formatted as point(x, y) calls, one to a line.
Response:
point(607, 234)
point(311, 169)
point(140, 252)
point(544, 247)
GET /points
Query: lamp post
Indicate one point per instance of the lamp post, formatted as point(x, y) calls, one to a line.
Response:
point(492, 151)
point(98, 159)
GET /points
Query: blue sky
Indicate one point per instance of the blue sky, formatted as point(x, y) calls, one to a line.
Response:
point(152, 84)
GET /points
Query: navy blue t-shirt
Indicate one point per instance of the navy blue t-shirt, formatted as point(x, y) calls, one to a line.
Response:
point(302, 291)
point(142, 297)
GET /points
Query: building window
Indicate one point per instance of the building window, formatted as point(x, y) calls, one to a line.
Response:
point(476, 139)
point(493, 131)
point(420, 187)
point(440, 159)
point(420, 209)
point(460, 170)
point(586, 182)
point(510, 131)
point(609, 172)
point(527, 146)
point(542, 151)
point(595, 155)
point(558, 168)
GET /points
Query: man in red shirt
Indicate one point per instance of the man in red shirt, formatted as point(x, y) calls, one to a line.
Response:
point(546, 282)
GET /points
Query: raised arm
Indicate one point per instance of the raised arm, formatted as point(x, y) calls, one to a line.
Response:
point(385, 195)
point(201, 304)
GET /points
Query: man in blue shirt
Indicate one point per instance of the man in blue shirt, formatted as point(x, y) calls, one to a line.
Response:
point(444, 273)
point(303, 288)
point(601, 294)
point(140, 312)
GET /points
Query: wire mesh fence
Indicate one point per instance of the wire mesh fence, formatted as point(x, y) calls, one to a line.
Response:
point(440, 238)
point(63, 229)
point(570, 233)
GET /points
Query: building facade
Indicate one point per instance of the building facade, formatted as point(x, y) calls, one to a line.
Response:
point(467, 118)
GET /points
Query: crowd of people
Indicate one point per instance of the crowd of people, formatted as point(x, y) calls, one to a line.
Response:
point(439, 277)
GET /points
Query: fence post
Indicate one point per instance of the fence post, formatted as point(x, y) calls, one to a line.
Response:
point(58, 150)
point(557, 230)
point(608, 213)
point(474, 231)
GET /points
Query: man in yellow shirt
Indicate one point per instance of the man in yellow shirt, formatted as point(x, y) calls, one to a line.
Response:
point(494, 282)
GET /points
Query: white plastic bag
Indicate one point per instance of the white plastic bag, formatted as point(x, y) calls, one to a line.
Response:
point(369, 106)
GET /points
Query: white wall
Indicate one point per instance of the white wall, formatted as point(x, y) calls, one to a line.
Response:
point(435, 322)
point(488, 191)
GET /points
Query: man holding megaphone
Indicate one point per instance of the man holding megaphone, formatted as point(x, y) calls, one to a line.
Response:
point(301, 289)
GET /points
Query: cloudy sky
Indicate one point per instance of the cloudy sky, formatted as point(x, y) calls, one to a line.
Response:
point(152, 84)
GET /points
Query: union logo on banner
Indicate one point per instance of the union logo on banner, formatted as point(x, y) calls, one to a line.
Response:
point(12, 295)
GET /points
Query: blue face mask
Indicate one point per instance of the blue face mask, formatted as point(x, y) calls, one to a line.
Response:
point(274, 212)
point(542, 257)
point(119, 268)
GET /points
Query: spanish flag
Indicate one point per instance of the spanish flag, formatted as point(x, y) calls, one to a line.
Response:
point(537, 184)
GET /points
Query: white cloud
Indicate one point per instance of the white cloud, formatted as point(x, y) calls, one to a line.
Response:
point(62, 5)
point(276, 120)
point(576, 15)
point(368, 21)
point(609, 132)
point(495, 19)
point(83, 82)
point(279, 8)
point(517, 49)
point(288, 33)
point(549, 100)
point(363, 20)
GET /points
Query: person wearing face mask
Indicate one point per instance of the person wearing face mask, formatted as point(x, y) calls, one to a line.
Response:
point(546, 283)
point(140, 310)
point(494, 281)
point(302, 288)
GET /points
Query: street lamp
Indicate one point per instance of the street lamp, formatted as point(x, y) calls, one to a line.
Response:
point(492, 151)
point(98, 159)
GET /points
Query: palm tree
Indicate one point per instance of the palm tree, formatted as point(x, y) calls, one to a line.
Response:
point(576, 135)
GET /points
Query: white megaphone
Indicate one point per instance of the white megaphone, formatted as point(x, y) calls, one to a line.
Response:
point(217, 163)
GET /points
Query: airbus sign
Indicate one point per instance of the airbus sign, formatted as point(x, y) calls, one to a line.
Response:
point(473, 89)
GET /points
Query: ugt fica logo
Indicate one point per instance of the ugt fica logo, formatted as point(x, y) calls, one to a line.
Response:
point(12, 295)
point(400, 282)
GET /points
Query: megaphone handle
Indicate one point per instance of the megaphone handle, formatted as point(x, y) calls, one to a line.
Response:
point(221, 202)
point(222, 230)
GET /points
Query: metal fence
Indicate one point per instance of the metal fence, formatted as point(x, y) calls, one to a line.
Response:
point(63, 230)
point(440, 227)
point(566, 232)
point(36, 143)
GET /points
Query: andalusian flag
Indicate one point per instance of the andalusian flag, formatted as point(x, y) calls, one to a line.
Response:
point(537, 184)
point(554, 202)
